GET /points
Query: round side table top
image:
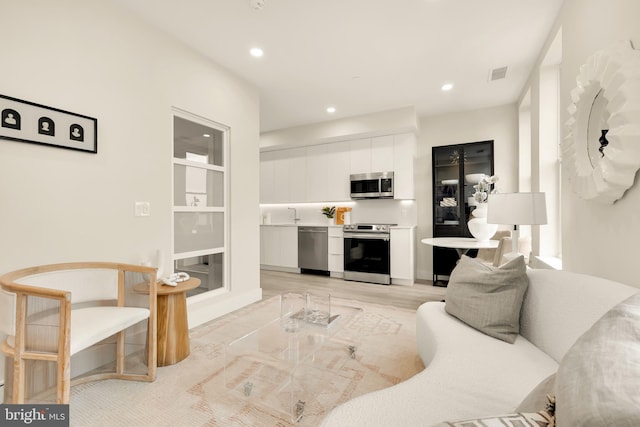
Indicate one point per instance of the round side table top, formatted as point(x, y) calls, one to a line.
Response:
point(460, 243)
point(187, 285)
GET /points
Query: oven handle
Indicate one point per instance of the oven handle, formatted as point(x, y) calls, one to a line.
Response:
point(369, 236)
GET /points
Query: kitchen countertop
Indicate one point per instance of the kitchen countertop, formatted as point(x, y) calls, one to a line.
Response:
point(304, 224)
point(300, 224)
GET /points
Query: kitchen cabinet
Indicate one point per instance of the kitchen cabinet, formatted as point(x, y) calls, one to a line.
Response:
point(452, 191)
point(319, 173)
point(336, 252)
point(279, 247)
point(402, 255)
point(372, 154)
point(280, 190)
point(360, 156)
point(339, 168)
point(382, 154)
point(296, 172)
point(267, 176)
point(280, 172)
point(404, 155)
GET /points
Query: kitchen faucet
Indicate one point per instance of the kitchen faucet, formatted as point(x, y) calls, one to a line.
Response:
point(295, 215)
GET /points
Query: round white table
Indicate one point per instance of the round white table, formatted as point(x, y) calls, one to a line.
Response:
point(462, 245)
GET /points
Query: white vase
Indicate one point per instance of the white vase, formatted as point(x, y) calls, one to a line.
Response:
point(478, 226)
point(480, 211)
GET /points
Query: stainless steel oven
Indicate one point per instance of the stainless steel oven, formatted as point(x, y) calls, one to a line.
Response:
point(367, 253)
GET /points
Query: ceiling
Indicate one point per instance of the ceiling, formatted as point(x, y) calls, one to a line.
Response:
point(363, 56)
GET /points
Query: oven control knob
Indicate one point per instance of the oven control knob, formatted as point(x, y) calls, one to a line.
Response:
point(383, 228)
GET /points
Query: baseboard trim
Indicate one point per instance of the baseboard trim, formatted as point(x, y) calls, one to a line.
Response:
point(278, 268)
point(403, 282)
point(205, 310)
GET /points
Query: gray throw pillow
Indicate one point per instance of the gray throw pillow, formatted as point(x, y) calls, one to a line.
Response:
point(488, 298)
point(598, 381)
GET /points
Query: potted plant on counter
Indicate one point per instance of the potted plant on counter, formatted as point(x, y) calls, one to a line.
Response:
point(329, 212)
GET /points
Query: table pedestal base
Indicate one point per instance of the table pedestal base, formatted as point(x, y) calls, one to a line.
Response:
point(173, 329)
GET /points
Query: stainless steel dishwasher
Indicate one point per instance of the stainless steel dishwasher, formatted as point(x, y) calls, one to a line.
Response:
point(313, 249)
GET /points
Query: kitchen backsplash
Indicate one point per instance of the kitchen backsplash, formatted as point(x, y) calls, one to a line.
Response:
point(401, 212)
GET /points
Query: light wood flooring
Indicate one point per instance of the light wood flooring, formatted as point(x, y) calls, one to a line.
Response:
point(274, 283)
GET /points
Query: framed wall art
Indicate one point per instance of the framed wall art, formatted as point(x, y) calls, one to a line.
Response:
point(25, 121)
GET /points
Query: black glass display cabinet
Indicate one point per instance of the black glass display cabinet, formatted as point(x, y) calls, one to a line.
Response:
point(456, 169)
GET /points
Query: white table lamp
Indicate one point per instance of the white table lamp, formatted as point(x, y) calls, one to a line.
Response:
point(516, 209)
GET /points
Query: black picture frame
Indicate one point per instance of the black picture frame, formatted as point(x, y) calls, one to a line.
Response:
point(33, 123)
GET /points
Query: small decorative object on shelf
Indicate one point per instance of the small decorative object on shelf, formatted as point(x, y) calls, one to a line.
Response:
point(477, 225)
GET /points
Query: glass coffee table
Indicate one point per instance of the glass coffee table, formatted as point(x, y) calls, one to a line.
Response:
point(290, 371)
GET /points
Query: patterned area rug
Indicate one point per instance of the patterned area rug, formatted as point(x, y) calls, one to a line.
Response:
point(193, 392)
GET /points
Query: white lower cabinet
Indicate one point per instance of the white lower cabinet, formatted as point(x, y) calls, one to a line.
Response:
point(402, 255)
point(279, 247)
point(336, 252)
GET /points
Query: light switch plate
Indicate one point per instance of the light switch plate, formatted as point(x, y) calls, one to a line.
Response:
point(142, 209)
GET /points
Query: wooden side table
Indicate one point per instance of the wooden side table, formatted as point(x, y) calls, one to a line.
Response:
point(173, 325)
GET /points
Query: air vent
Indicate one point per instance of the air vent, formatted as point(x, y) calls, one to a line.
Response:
point(498, 73)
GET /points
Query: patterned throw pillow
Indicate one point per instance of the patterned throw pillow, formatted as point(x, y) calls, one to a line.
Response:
point(535, 419)
point(488, 298)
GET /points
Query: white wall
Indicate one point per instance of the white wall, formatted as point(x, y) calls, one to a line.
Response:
point(597, 239)
point(94, 58)
point(499, 124)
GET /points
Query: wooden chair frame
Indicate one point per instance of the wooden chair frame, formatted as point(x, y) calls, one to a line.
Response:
point(20, 354)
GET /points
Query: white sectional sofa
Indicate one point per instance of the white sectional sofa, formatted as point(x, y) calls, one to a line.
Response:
point(469, 374)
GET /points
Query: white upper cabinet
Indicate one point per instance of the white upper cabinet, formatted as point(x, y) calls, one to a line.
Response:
point(280, 190)
point(339, 163)
point(382, 154)
point(319, 173)
point(404, 155)
point(267, 176)
point(297, 173)
point(360, 155)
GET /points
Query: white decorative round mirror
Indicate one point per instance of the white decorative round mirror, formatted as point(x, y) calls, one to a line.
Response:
point(602, 149)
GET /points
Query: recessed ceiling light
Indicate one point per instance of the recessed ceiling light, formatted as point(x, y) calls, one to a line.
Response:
point(331, 110)
point(447, 87)
point(206, 135)
point(256, 52)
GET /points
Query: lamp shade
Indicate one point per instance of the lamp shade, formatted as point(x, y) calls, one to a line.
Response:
point(517, 209)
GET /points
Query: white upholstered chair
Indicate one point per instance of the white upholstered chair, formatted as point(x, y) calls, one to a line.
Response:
point(53, 312)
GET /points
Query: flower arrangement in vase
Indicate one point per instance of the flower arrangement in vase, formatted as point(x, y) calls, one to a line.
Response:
point(477, 225)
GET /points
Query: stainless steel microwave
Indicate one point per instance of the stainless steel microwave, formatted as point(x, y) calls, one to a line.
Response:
point(376, 185)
